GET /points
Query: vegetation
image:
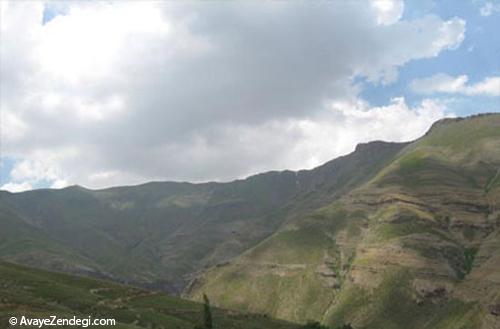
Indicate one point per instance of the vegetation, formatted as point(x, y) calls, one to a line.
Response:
point(36, 293)
point(207, 313)
point(386, 254)
point(317, 325)
point(469, 255)
point(391, 236)
point(156, 234)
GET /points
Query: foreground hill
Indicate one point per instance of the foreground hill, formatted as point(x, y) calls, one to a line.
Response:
point(40, 294)
point(159, 235)
point(416, 246)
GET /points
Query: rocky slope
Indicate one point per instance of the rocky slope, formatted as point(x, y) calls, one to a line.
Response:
point(159, 235)
point(415, 246)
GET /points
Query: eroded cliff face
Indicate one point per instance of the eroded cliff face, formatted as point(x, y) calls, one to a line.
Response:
point(417, 246)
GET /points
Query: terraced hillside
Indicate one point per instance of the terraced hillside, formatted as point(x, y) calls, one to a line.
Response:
point(417, 246)
point(39, 294)
point(159, 235)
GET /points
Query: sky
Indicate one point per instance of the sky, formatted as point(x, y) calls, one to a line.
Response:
point(104, 93)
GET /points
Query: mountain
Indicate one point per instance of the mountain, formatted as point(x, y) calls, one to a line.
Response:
point(415, 246)
point(393, 235)
point(160, 235)
point(40, 294)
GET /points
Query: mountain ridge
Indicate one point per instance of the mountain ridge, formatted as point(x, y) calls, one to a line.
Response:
point(411, 234)
point(413, 222)
point(259, 204)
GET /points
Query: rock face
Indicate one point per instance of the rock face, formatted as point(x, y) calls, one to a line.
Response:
point(495, 309)
point(416, 246)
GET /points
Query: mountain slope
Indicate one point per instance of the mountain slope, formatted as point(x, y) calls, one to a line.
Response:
point(22, 242)
point(416, 246)
point(160, 235)
point(393, 235)
point(40, 294)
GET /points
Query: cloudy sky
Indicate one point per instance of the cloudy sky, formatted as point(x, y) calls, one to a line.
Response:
point(102, 93)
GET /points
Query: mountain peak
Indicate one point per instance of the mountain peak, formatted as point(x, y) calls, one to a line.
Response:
point(449, 121)
point(373, 145)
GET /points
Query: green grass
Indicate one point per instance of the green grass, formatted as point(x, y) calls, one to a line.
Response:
point(393, 305)
point(413, 162)
point(416, 170)
point(469, 256)
point(352, 298)
point(451, 155)
point(494, 182)
point(389, 231)
point(36, 293)
point(465, 134)
point(283, 296)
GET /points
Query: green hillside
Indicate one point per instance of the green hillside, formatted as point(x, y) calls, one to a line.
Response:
point(159, 235)
point(39, 294)
point(417, 246)
point(393, 235)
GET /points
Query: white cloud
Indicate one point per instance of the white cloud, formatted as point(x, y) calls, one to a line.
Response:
point(84, 44)
point(59, 183)
point(124, 92)
point(33, 170)
point(489, 8)
point(280, 144)
point(489, 86)
point(16, 187)
point(13, 128)
point(44, 167)
point(388, 11)
point(444, 83)
point(350, 123)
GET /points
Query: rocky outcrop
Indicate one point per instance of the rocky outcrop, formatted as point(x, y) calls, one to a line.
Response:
point(494, 309)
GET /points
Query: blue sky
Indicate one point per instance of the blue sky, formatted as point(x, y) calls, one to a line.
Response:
point(102, 93)
point(478, 57)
